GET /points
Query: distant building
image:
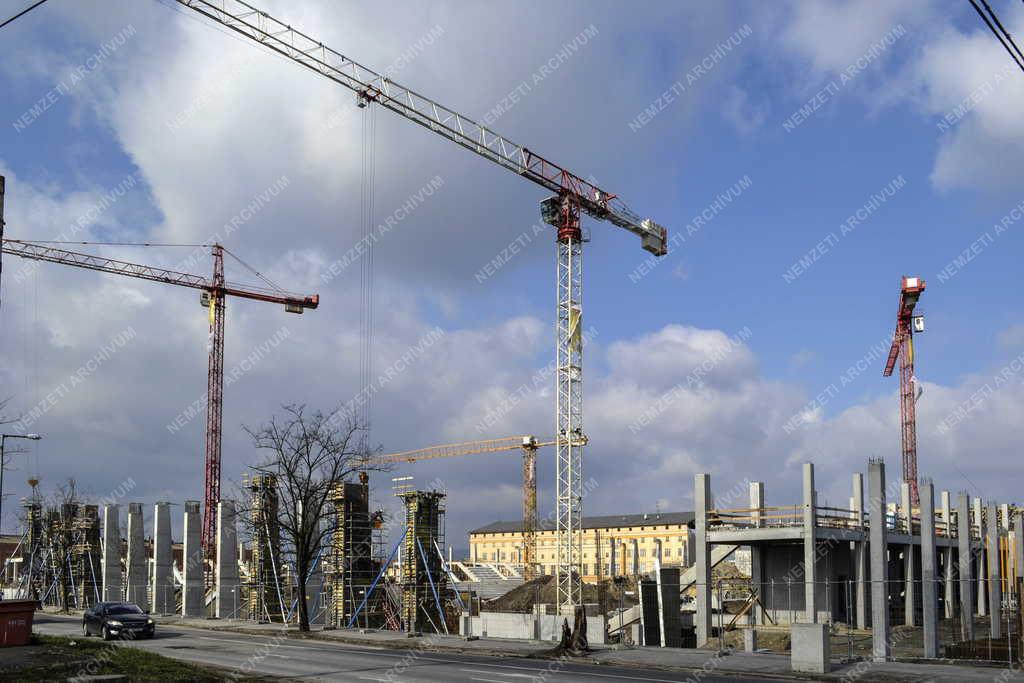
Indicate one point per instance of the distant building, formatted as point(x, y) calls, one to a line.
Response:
point(502, 542)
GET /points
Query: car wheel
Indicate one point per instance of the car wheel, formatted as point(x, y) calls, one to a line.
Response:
point(106, 633)
point(85, 630)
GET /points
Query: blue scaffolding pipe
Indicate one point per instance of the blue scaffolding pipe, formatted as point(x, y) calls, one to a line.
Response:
point(376, 580)
point(451, 577)
point(433, 588)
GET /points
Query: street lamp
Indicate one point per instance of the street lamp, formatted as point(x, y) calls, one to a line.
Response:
point(3, 439)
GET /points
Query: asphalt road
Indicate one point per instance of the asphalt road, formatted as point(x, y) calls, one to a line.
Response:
point(324, 661)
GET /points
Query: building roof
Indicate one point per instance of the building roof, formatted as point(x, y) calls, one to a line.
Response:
point(596, 522)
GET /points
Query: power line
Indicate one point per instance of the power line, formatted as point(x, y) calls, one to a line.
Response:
point(999, 36)
point(1002, 28)
point(22, 12)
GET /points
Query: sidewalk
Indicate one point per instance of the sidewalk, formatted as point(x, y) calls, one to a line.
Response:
point(700, 662)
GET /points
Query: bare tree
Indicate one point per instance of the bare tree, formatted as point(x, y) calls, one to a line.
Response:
point(310, 452)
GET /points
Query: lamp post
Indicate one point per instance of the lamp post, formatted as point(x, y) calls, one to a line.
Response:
point(3, 439)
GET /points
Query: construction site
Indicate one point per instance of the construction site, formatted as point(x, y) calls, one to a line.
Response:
point(323, 531)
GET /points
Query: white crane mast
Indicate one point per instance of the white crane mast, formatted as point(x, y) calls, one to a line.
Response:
point(573, 195)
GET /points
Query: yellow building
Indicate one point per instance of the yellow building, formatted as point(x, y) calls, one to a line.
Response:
point(636, 540)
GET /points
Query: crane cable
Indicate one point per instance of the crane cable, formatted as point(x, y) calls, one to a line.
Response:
point(366, 285)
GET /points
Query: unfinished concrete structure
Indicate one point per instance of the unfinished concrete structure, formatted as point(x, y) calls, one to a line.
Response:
point(136, 570)
point(60, 561)
point(228, 590)
point(424, 582)
point(192, 561)
point(866, 565)
point(350, 569)
point(112, 586)
point(163, 577)
point(266, 600)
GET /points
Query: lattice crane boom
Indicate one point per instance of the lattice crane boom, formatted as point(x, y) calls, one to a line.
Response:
point(529, 446)
point(573, 195)
point(214, 294)
point(903, 349)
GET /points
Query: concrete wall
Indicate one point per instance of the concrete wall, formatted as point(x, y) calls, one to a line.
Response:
point(528, 626)
point(834, 564)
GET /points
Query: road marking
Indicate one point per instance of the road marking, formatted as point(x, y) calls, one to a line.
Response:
point(247, 640)
point(498, 673)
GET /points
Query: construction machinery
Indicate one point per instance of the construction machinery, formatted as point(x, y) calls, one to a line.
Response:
point(572, 196)
point(529, 446)
point(214, 293)
point(907, 323)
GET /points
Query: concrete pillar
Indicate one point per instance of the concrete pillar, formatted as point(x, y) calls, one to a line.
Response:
point(948, 595)
point(963, 541)
point(1004, 516)
point(756, 552)
point(907, 513)
point(613, 567)
point(929, 594)
point(880, 645)
point(702, 551)
point(136, 564)
point(980, 571)
point(995, 589)
point(192, 559)
point(228, 589)
point(860, 556)
point(112, 587)
point(810, 546)
point(636, 556)
point(163, 577)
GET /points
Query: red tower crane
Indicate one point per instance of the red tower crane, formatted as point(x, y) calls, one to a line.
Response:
point(903, 347)
point(214, 294)
point(572, 197)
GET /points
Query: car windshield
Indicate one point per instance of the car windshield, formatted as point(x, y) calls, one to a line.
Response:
point(124, 609)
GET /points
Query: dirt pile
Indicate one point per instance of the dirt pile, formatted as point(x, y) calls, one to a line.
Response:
point(542, 590)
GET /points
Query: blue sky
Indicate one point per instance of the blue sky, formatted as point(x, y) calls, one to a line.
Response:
point(205, 123)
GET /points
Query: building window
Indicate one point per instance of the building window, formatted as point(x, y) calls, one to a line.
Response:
point(643, 552)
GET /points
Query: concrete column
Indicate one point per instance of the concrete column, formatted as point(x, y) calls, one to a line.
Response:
point(163, 577)
point(980, 571)
point(810, 546)
point(636, 556)
point(613, 567)
point(947, 558)
point(1004, 516)
point(228, 590)
point(929, 594)
point(995, 588)
point(963, 541)
point(113, 590)
point(880, 645)
point(756, 552)
point(860, 556)
point(136, 564)
point(702, 552)
point(192, 559)
point(907, 513)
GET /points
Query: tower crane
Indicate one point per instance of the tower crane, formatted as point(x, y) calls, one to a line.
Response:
point(214, 293)
point(903, 347)
point(529, 446)
point(572, 195)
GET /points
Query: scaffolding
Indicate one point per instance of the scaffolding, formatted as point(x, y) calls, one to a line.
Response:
point(265, 598)
point(350, 566)
point(424, 584)
point(60, 554)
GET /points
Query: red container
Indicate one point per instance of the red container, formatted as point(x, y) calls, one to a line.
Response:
point(16, 621)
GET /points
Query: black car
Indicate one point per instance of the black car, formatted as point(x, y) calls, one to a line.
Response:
point(117, 620)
